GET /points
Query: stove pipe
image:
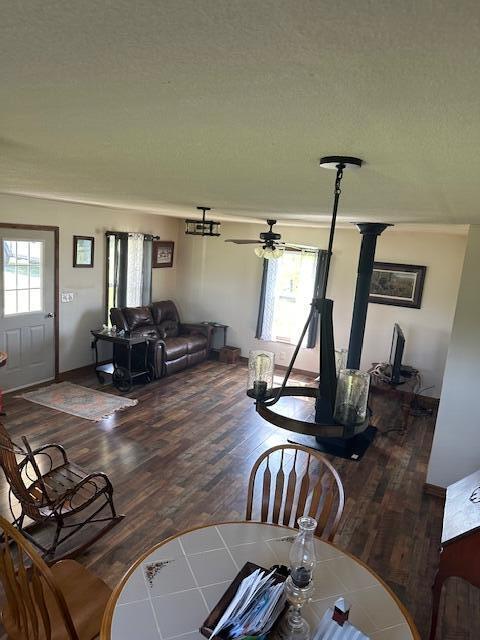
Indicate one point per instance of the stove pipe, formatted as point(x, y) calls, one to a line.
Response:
point(370, 232)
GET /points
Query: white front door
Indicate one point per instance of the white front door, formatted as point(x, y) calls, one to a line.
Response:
point(27, 307)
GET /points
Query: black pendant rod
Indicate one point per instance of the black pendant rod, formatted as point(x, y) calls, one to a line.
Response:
point(204, 209)
point(338, 191)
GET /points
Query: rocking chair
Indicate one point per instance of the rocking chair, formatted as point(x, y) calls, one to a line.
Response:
point(49, 489)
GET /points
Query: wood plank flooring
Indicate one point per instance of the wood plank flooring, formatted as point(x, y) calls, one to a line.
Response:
point(182, 457)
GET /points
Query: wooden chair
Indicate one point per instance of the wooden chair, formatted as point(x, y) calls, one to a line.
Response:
point(46, 488)
point(61, 602)
point(292, 487)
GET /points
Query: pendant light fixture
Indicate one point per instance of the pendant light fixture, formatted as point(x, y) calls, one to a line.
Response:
point(332, 419)
point(202, 227)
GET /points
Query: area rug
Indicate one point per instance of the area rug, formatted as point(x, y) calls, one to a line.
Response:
point(79, 401)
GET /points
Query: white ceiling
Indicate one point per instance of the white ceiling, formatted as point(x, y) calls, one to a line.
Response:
point(165, 104)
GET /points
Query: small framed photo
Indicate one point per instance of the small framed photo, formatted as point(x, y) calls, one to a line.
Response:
point(400, 285)
point(83, 249)
point(162, 254)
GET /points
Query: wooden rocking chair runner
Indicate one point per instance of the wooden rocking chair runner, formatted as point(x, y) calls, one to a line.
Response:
point(50, 489)
point(298, 488)
point(61, 602)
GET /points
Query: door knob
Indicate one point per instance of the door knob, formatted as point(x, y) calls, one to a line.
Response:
point(50, 315)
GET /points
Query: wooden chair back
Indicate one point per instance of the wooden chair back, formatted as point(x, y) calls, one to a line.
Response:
point(296, 481)
point(10, 466)
point(29, 585)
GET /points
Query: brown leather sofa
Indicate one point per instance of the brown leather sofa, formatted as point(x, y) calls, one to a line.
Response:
point(172, 345)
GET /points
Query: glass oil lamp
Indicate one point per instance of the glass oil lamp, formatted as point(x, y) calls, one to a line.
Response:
point(299, 584)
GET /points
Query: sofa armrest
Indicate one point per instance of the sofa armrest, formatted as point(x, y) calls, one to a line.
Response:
point(192, 327)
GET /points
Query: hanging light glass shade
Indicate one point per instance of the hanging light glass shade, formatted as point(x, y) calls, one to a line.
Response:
point(261, 365)
point(269, 252)
point(341, 356)
point(352, 397)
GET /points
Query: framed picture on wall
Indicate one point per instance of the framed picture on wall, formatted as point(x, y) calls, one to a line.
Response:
point(400, 285)
point(162, 254)
point(83, 250)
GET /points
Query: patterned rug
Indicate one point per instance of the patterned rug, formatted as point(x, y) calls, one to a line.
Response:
point(79, 401)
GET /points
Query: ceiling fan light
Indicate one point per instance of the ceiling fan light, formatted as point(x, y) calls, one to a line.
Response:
point(278, 252)
point(259, 252)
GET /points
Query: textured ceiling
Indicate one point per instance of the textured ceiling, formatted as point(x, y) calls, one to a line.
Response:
point(162, 105)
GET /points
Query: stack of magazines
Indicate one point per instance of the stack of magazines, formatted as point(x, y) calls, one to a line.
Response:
point(255, 607)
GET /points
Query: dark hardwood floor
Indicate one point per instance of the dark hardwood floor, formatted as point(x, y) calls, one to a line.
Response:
point(182, 457)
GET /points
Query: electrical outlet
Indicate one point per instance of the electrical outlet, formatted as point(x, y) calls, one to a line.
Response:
point(66, 296)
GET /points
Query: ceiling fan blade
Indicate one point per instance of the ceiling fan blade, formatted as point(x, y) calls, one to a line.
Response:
point(245, 241)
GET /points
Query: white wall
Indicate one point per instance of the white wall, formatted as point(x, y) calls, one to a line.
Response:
point(88, 285)
point(456, 444)
point(213, 280)
point(221, 282)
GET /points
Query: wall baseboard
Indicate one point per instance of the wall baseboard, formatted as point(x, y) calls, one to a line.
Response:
point(78, 371)
point(434, 490)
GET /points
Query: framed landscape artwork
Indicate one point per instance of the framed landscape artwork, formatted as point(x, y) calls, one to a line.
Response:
point(400, 285)
point(83, 248)
point(162, 254)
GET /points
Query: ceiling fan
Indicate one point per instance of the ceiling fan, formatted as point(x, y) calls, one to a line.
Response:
point(271, 247)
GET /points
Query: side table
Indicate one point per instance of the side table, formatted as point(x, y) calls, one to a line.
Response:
point(122, 372)
point(403, 395)
point(217, 327)
point(459, 555)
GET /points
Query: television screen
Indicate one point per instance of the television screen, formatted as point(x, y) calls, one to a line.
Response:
point(396, 354)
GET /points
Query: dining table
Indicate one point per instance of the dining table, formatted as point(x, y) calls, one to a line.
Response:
point(169, 591)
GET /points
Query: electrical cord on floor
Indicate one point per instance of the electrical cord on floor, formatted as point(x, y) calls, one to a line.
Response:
point(414, 407)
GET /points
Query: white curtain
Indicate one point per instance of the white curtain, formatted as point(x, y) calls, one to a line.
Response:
point(135, 270)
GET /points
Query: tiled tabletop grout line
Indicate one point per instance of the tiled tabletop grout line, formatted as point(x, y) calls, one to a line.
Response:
point(181, 635)
point(123, 604)
point(147, 586)
point(195, 588)
point(155, 619)
point(228, 549)
point(193, 574)
point(199, 553)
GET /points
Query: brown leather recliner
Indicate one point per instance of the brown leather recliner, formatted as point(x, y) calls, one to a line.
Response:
point(172, 345)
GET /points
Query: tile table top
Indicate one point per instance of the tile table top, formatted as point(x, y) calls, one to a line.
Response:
point(168, 594)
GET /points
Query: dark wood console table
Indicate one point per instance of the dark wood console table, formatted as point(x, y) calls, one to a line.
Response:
point(460, 553)
point(122, 373)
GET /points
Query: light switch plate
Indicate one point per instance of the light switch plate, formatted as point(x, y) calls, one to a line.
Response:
point(66, 296)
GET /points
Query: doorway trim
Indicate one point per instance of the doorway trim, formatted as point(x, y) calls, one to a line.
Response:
point(56, 278)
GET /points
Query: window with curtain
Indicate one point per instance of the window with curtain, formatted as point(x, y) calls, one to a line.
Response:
point(288, 286)
point(129, 270)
